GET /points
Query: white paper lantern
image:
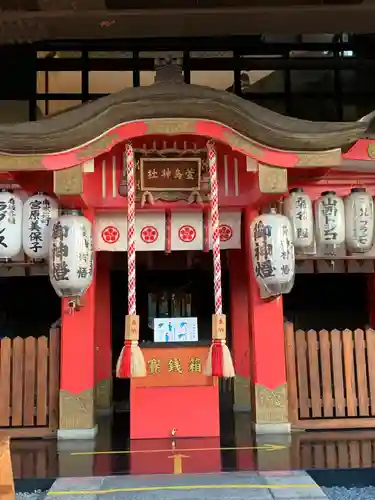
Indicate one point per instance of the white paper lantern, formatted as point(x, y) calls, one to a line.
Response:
point(359, 221)
point(10, 224)
point(298, 209)
point(71, 255)
point(272, 252)
point(39, 212)
point(330, 219)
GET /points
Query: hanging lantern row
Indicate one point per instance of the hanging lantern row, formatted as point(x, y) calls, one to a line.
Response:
point(274, 237)
point(35, 227)
point(337, 220)
point(25, 225)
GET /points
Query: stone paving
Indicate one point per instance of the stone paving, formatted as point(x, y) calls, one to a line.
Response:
point(289, 485)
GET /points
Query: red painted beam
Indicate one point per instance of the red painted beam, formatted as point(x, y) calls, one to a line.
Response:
point(32, 182)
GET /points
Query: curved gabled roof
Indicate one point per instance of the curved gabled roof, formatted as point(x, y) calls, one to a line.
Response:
point(73, 128)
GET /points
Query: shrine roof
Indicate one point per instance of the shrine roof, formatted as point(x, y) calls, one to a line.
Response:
point(179, 103)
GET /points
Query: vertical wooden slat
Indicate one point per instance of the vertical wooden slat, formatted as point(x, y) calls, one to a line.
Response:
point(41, 463)
point(370, 344)
point(29, 382)
point(313, 367)
point(53, 462)
point(331, 453)
point(28, 465)
point(366, 454)
point(354, 455)
point(338, 376)
point(303, 388)
point(17, 381)
point(342, 451)
point(350, 389)
point(325, 362)
point(5, 377)
point(42, 381)
point(296, 453)
point(291, 372)
point(17, 465)
point(306, 454)
point(360, 363)
point(319, 456)
point(53, 378)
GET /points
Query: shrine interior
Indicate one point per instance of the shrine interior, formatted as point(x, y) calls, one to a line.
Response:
point(172, 285)
point(316, 302)
point(29, 306)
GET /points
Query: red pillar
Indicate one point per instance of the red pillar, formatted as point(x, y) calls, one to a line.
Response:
point(240, 335)
point(103, 334)
point(269, 384)
point(77, 368)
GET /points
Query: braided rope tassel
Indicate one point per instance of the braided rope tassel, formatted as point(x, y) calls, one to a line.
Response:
point(219, 362)
point(131, 362)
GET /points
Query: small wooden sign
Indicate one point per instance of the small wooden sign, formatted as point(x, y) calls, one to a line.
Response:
point(131, 327)
point(174, 367)
point(219, 327)
point(170, 174)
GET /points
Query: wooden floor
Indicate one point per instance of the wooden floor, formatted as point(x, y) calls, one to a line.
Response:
point(308, 450)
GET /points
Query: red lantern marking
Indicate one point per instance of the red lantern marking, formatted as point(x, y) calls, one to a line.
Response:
point(110, 235)
point(187, 234)
point(149, 234)
point(226, 232)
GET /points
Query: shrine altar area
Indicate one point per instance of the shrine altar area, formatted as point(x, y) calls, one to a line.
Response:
point(175, 398)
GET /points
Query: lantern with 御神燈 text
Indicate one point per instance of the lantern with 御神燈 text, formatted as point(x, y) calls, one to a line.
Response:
point(71, 255)
point(298, 209)
point(330, 219)
point(39, 213)
point(272, 252)
point(359, 221)
point(10, 224)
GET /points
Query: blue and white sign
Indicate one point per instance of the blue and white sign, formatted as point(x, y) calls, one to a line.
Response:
point(175, 330)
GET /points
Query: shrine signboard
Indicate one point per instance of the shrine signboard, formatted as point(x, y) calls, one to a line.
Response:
point(174, 367)
point(170, 174)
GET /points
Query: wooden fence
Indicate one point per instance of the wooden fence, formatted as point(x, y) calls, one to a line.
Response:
point(331, 378)
point(333, 450)
point(34, 458)
point(29, 376)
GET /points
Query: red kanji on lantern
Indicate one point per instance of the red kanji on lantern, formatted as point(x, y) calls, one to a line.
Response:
point(225, 232)
point(187, 234)
point(149, 234)
point(110, 235)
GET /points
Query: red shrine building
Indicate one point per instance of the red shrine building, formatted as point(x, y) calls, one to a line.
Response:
point(293, 368)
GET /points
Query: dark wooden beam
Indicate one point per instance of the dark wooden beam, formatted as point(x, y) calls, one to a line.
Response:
point(71, 5)
point(104, 24)
point(213, 64)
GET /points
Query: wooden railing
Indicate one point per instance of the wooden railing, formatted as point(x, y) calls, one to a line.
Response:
point(331, 378)
point(29, 375)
